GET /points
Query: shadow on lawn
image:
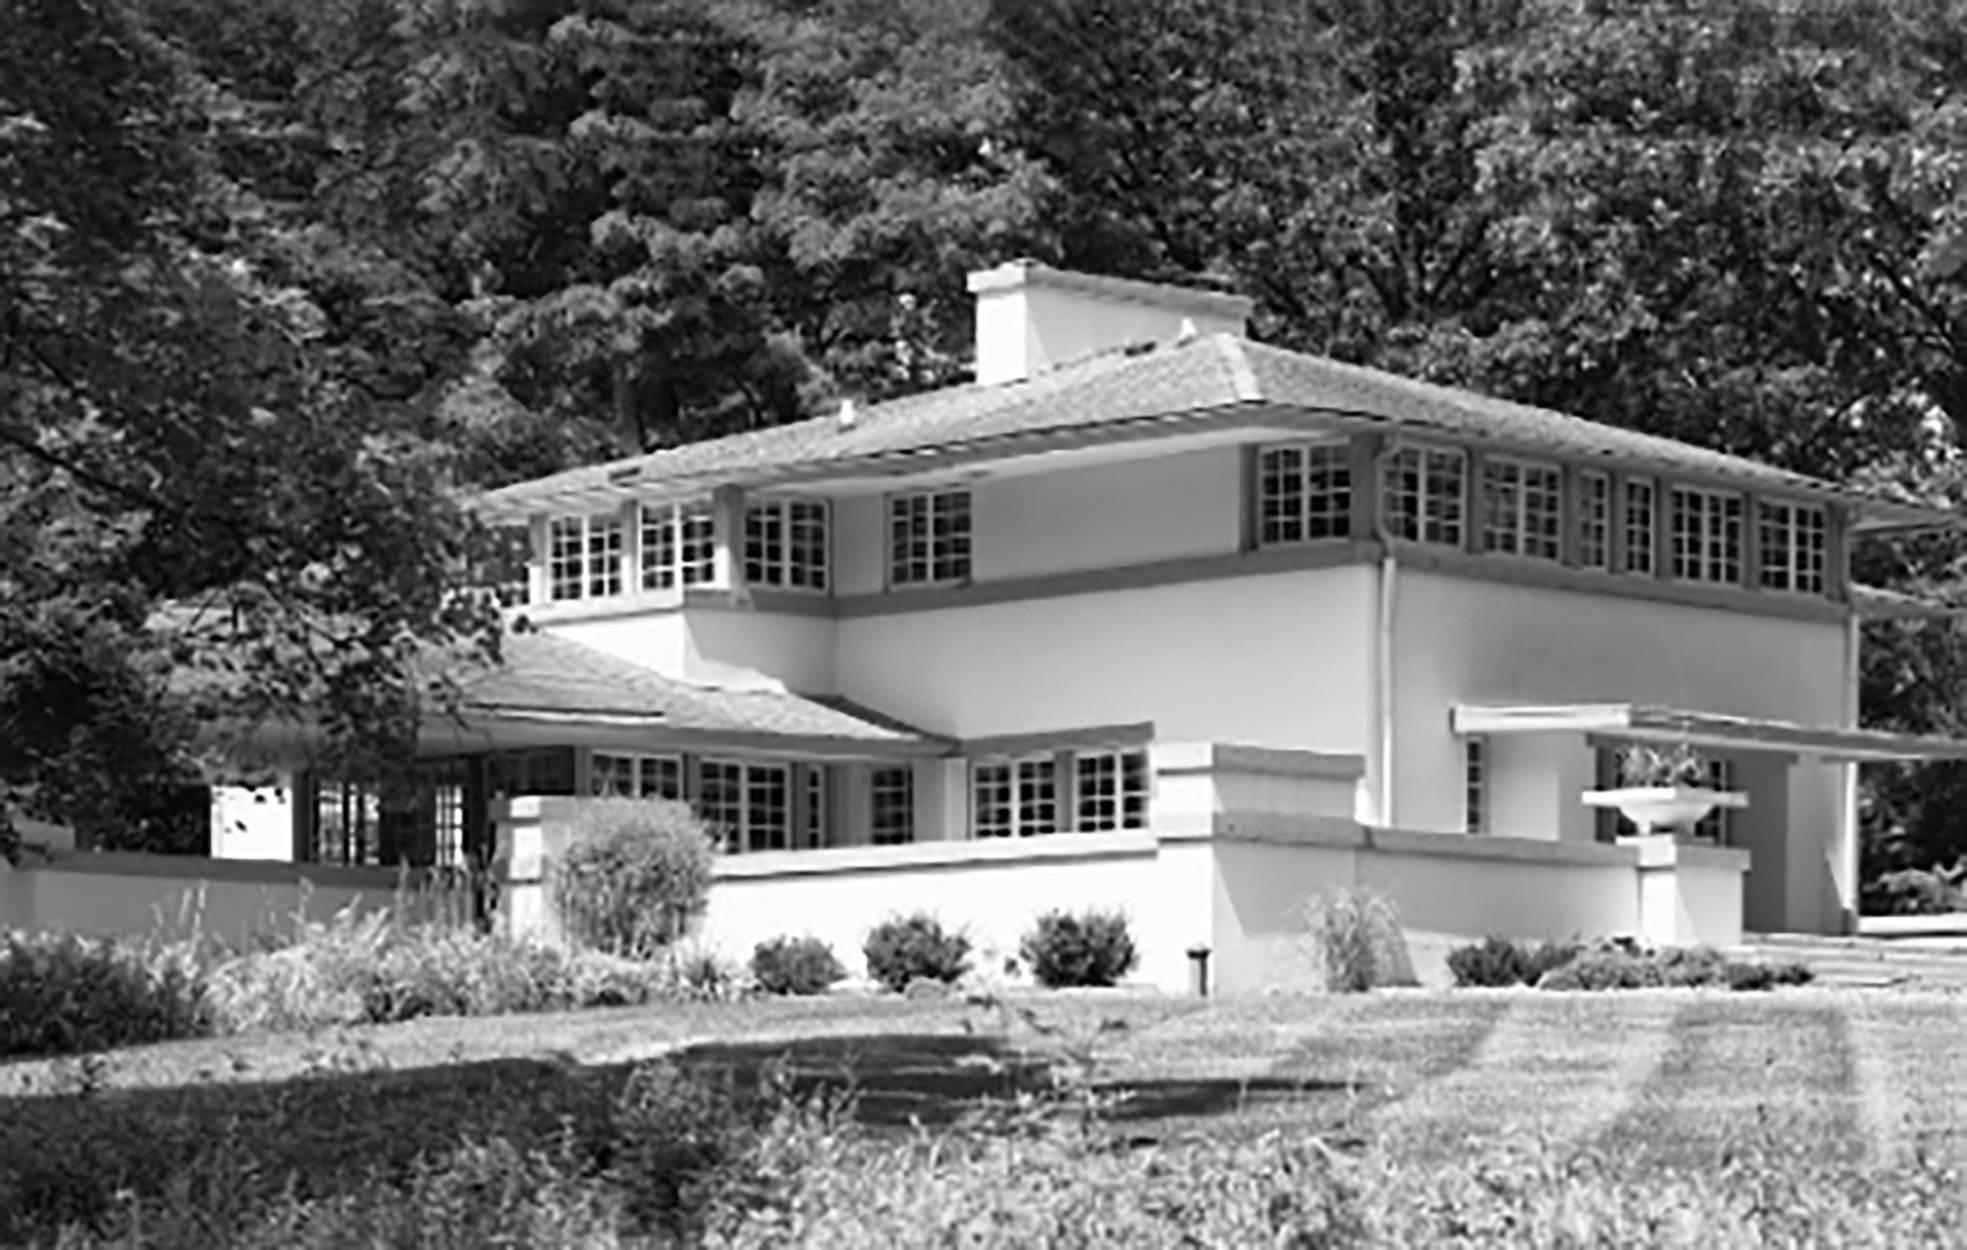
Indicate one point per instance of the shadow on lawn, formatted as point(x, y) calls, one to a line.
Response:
point(65, 1157)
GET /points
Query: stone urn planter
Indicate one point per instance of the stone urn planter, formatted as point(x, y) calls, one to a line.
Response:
point(1662, 789)
point(1653, 809)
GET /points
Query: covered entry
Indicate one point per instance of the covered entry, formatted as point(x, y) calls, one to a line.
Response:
point(1800, 827)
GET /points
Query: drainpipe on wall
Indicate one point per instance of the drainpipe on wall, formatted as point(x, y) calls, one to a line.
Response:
point(1848, 817)
point(1383, 650)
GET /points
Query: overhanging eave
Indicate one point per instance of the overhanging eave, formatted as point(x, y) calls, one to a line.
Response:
point(1644, 723)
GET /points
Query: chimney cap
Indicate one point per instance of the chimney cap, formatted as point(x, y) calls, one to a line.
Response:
point(1030, 274)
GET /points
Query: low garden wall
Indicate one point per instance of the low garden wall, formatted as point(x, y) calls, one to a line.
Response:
point(111, 894)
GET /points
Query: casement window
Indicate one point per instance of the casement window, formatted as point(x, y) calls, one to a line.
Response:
point(1718, 826)
point(347, 822)
point(584, 557)
point(447, 821)
point(1594, 520)
point(1475, 785)
point(1014, 798)
point(1111, 789)
point(679, 546)
point(1640, 519)
point(1304, 493)
point(615, 775)
point(785, 544)
point(891, 804)
point(929, 538)
point(812, 810)
point(1425, 495)
point(1707, 536)
point(749, 806)
point(1523, 509)
point(1793, 541)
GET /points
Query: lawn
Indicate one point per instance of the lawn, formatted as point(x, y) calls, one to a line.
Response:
point(1665, 1080)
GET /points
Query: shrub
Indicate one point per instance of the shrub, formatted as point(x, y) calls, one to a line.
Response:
point(907, 948)
point(673, 1130)
point(365, 969)
point(789, 965)
point(1492, 962)
point(1356, 937)
point(1093, 948)
point(485, 1194)
point(1624, 966)
point(1604, 970)
point(61, 995)
point(1914, 892)
point(633, 875)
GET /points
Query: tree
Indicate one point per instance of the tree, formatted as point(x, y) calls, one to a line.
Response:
point(208, 409)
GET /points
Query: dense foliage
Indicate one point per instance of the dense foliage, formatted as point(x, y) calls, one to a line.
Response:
point(63, 995)
point(1087, 949)
point(283, 280)
point(904, 949)
point(795, 965)
point(1495, 962)
point(633, 875)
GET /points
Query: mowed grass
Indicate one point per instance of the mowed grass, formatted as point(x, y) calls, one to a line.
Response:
point(1667, 1081)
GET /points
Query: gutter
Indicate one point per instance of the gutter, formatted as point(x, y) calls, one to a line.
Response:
point(1383, 644)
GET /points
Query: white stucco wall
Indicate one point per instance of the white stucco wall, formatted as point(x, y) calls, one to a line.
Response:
point(1109, 516)
point(795, 650)
point(1276, 660)
point(657, 639)
point(1461, 640)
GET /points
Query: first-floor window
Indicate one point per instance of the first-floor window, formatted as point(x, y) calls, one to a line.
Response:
point(891, 804)
point(812, 812)
point(616, 775)
point(1424, 495)
point(1707, 536)
point(1015, 798)
point(1523, 509)
point(1112, 789)
point(1793, 540)
point(1718, 826)
point(347, 823)
point(1304, 493)
point(1475, 785)
point(748, 806)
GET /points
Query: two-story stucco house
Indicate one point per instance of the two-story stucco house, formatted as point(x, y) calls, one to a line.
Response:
point(1155, 616)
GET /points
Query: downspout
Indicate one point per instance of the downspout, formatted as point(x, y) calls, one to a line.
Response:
point(1383, 649)
point(1848, 791)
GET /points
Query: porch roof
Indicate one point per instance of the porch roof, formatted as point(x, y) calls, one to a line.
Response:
point(546, 680)
point(1705, 729)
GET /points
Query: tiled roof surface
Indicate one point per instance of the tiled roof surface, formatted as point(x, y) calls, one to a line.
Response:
point(1214, 372)
point(544, 673)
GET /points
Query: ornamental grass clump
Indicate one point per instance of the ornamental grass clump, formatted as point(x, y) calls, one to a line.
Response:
point(1356, 939)
point(633, 875)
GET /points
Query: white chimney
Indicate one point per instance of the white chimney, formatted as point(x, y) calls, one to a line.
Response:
point(1031, 317)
